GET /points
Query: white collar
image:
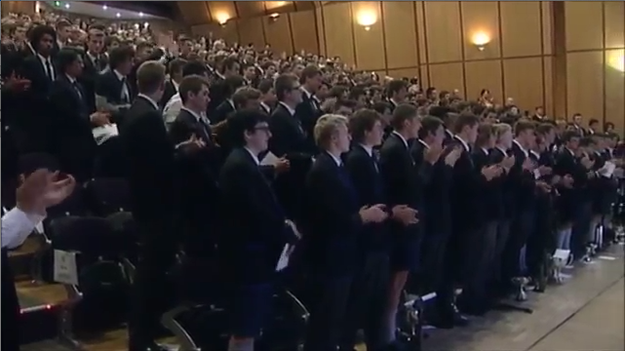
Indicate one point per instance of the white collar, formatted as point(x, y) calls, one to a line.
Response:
point(368, 149)
point(265, 106)
point(71, 79)
point(485, 150)
point(119, 75)
point(176, 85)
point(198, 117)
point(401, 137)
point(43, 59)
point(291, 111)
point(570, 151)
point(231, 104)
point(503, 151)
point(424, 144)
point(150, 100)
point(308, 93)
point(254, 156)
point(535, 154)
point(336, 159)
point(464, 143)
point(220, 75)
point(393, 102)
point(92, 57)
point(521, 147)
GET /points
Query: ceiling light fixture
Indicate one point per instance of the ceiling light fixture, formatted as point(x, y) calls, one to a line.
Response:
point(140, 14)
point(105, 7)
point(118, 15)
point(67, 5)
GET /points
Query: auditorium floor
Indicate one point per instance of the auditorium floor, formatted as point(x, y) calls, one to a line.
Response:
point(586, 313)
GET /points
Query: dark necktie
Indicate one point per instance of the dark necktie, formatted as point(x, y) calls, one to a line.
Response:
point(49, 71)
point(77, 89)
point(205, 129)
point(96, 63)
point(125, 97)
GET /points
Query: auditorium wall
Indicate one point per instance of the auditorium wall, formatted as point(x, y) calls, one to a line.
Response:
point(594, 45)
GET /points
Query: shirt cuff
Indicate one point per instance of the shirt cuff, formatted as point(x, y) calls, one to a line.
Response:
point(536, 174)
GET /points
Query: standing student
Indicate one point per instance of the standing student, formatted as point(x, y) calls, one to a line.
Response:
point(257, 229)
point(403, 182)
point(333, 227)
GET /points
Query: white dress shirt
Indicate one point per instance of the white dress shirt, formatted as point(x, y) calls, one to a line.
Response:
point(125, 93)
point(47, 60)
point(288, 108)
point(16, 226)
point(402, 138)
point(172, 109)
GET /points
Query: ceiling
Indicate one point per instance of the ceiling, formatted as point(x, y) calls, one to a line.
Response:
point(111, 11)
point(203, 12)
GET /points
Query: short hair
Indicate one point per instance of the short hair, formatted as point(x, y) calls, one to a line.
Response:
point(544, 128)
point(500, 129)
point(243, 95)
point(242, 121)
point(593, 121)
point(191, 84)
point(357, 92)
point(351, 104)
point(361, 122)
point(177, 65)
point(228, 64)
point(429, 126)
point(484, 133)
point(465, 120)
point(395, 86)
point(308, 72)
point(231, 84)
point(265, 85)
point(522, 126)
point(401, 114)
point(120, 55)
point(66, 57)
point(569, 135)
point(194, 68)
point(337, 91)
point(144, 45)
point(326, 127)
point(63, 23)
point(284, 85)
point(150, 77)
point(381, 107)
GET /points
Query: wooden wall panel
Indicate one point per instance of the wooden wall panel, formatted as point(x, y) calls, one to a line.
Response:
point(321, 32)
point(404, 72)
point(484, 75)
point(614, 91)
point(194, 12)
point(368, 41)
point(424, 72)
point(251, 32)
point(400, 34)
point(443, 31)
point(526, 89)
point(480, 18)
point(304, 31)
point(548, 86)
point(521, 28)
point(278, 33)
point(546, 12)
point(422, 50)
point(614, 12)
point(338, 32)
point(585, 84)
point(447, 76)
point(583, 25)
point(221, 10)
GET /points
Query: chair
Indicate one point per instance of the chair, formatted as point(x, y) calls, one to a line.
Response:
point(125, 227)
point(99, 272)
point(108, 195)
point(202, 309)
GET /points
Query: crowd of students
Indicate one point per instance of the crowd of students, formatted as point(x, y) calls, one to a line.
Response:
point(379, 185)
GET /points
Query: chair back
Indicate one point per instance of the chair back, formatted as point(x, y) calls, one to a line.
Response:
point(108, 195)
point(110, 160)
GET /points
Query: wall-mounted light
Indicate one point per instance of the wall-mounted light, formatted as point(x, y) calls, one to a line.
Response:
point(616, 60)
point(274, 17)
point(367, 18)
point(480, 40)
point(222, 18)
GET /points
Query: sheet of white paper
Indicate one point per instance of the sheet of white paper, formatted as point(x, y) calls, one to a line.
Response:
point(65, 268)
point(104, 133)
point(283, 262)
point(608, 169)
point(562, 254)
point(269, 160)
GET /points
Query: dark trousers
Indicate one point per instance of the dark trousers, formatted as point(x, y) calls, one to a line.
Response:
point(327, 312)
point(503, 233)
point(10, 308)
point(437, 273)
point(479, 249)
point(151, 289)
point(367, 302)
point(521, 228)
point(581, 227)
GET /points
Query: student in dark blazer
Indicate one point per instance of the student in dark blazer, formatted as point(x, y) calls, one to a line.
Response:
point(74, 144)
point(334, 224)
point(268, 96)
point(40, 70)
point(219, 89)
point(309, 110)
point(257, 230)
point(201, 201)
point(173, 83)
point(227, 107)
point(468, 238)
point(404, 186)
point(437, 275)
point(94, 61)
point(369, 292)
point(151, 162)
point(113, 89)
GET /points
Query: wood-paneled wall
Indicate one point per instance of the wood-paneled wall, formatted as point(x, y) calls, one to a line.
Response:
point(26, 7)
point(595, 48)
point(565, 64)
